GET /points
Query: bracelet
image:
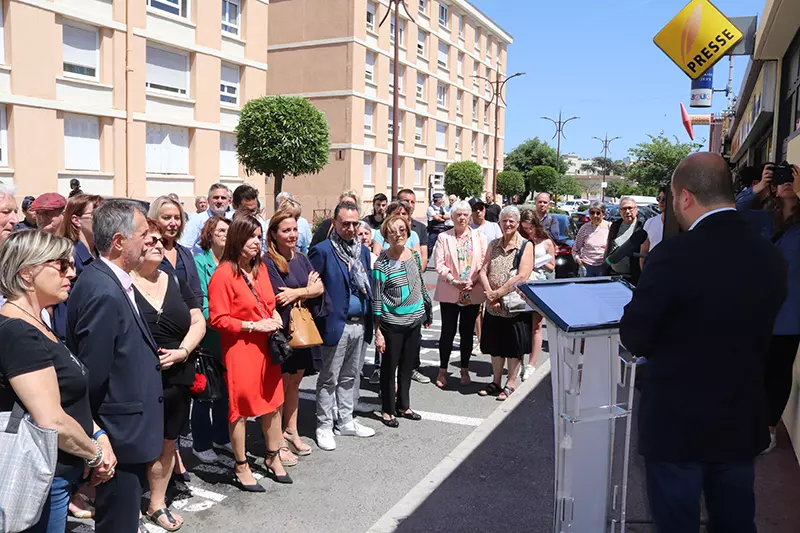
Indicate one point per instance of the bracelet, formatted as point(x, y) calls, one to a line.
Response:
point(97, 460)
point(185, 349)
point(99, 433)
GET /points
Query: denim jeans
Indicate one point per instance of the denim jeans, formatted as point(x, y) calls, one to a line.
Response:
point(209, 424)
point(54, 512)
point(593, 271)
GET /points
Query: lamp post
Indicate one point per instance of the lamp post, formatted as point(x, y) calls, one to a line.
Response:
point(497, 95)
point(606, 142)
point(559, 124)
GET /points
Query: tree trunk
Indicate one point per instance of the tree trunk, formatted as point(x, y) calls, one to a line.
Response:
point(277, 187)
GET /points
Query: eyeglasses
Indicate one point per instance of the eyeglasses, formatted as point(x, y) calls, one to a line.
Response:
point(629, 208)
point(598, 213)
point(350, 224)
point(399, 232)
point(62, 265)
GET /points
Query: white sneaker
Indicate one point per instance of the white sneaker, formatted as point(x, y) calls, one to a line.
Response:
point(206, 456)
point(419, 377)
point(227, 446)
point(773, 441)
point(325, 439)
point(527, 372)
point(354, 429)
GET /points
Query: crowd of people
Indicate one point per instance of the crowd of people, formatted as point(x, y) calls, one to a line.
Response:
point(113, 308)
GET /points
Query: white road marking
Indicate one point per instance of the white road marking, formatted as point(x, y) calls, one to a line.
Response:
point(207, 494)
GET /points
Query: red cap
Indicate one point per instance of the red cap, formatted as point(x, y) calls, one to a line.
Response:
point(48, 201)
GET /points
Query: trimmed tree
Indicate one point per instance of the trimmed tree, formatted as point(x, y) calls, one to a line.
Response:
point(567, 186)
point(510, 183)
point(282, 136)
point(464, 179)
point(543, 179)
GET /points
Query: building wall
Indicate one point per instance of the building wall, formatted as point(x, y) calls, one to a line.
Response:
point(40, 95)
point(325, 60)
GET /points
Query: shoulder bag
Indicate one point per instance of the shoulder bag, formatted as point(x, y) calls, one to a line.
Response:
point(213, 370)
point(277, 344)
point(426, 298)
point(303, 333)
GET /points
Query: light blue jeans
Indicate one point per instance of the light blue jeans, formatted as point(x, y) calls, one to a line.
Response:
point(54, 512)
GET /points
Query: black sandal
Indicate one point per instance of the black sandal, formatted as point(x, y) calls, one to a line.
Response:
point(411, 415)
point(284, 479)
point(504, 395)
point(171, 519)
point(241, 486)
point(392, 422)
point(492, 389)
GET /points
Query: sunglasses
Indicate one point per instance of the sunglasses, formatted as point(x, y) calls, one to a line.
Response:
point(62, 265)
point(350, 224)
point(595, 212)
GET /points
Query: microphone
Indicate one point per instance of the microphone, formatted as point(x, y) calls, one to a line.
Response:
point(632, 246)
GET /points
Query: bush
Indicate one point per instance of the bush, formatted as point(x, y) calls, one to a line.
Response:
point(543, 179)
point(510, 183)
point(464, 179)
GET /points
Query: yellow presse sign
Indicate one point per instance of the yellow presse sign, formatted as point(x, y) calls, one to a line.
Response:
point(697, 37)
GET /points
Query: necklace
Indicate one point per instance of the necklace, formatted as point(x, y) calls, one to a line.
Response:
point(159, 307)
point(37, 320)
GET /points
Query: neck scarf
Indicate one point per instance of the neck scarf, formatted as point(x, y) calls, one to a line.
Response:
point(350, 253)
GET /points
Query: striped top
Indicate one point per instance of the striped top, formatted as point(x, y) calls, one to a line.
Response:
point(397, 292)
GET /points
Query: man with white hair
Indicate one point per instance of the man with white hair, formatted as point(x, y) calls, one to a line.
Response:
point(8, 211)
point(200, 204)
point(219, 203)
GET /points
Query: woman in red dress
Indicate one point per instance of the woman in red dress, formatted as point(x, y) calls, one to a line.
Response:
point(241, 306)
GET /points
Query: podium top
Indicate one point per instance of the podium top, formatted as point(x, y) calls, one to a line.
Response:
point(577, 305)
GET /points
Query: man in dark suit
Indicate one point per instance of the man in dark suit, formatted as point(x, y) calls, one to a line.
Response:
point(345, 323)
point(106, 331)
point(705, 333)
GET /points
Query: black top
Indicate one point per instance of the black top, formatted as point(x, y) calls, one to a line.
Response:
point(297, 277)
point(374, 224)
point(705, 331)
point(422, 231)
point(170, 325)
point(493, 212)
point(322, 232)
point(186, 271)
point(26, 349)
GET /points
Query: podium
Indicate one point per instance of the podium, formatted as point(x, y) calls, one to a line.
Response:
point(592, 399)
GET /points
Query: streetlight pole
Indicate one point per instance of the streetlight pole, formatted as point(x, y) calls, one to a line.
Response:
point(497, 95)
point(559, 124)
point(606, 142)
point(396, 96)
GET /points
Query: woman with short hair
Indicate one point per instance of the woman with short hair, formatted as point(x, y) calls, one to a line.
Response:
point(591, 242)
point(39, 372)
point(402, 208)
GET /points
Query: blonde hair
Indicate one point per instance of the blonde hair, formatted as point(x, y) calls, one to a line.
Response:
point(155, 212)
point(25, 249)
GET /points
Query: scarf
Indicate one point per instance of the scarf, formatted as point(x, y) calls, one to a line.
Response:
point(350, 253)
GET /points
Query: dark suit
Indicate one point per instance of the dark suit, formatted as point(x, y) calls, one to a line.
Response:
point(107, 333)
point(705, 330)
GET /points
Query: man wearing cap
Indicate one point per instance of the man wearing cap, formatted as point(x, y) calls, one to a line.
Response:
point(437, 219)
point(29, 221)
point(48, 208)
point(490, 229)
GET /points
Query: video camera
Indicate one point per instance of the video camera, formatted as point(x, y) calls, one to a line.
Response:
point(782, 174)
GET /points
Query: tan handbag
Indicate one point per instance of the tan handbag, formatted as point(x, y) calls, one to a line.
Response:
point(302, 330)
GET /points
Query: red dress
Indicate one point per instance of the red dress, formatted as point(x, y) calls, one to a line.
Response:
point(255, 384)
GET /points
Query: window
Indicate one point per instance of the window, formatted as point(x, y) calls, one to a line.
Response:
point(474, 108)
point(229, 84)
point(367, 167)
point(423, 6)
point(475, 73)
point(485, 146)
point(2, 42)
point(474, 141)
point(441, 95)
point(444, 15)
point(477, 39)
point(399, 124)
point(421, 86)
point(419, 132)
point(486, 84)
point(444, 51)
point(81, 51)
point(389, 170)
point(441, 135)
point(369, 73)
point(167, 72)
point(486, 112)
point(167, 149)
point(459, 96)
point(175, 7)
point(369, 109)
point(422, 39)
point(3, 135)
point(418, 165)
point(400, 75)
point(401, 30)
point(370, 20)
point(461, 26)
point(81, 142)
point(228, 162)
point(460, 64)
point(458, 139)
point(488, 50)
point(230, 16)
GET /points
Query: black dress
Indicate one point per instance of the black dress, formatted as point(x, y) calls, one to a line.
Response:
point(297, 277)
point(168, 327)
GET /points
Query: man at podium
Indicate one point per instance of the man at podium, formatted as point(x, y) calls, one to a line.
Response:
point(705, 334)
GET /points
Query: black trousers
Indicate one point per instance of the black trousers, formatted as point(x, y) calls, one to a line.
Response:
point(402, 346)
point(119, 500)
point(466, 325)
point(778, 374)
point(674, 490)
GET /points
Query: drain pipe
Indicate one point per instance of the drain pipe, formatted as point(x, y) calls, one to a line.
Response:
point(129, 5)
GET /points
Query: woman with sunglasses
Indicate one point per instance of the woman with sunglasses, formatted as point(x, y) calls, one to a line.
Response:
point(39, 372)
point(170, 310)
point(592, 240)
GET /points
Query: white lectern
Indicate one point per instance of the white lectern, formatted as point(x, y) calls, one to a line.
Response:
point(592, 399)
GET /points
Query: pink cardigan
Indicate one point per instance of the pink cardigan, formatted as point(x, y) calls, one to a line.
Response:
point(446, 257)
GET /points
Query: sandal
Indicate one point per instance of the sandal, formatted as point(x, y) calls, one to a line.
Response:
point(81, 513)
point(492, 389)
point(411, 415)
point(441, 381)
point(164, 512)
point(392, 422)
point(303, 450)
point(284, 479)
point(286, 455)
point(507, 391)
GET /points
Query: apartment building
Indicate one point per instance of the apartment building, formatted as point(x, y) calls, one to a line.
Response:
point(134, 97)
point(337, 55)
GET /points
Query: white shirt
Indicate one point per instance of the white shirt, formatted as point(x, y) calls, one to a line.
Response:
point(490, 229)
point(706, 215)
point(125, 280)
point(654, 227)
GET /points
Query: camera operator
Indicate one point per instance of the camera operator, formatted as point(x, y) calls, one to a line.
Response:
point(779, 187)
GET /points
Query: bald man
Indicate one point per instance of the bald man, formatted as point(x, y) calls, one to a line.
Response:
point(702, 315)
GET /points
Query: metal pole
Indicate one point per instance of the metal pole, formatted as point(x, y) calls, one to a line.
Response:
point(559, 124)
point(606, 142)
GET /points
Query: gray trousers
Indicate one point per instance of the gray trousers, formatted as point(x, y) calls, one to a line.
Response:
point(338, 377)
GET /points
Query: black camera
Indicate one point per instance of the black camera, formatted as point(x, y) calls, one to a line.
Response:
point(782, 174)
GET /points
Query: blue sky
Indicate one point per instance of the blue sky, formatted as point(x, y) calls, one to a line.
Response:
point(596, 59)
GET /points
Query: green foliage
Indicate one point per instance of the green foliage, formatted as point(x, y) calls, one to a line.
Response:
point(510, 183)
point(567, 186)
point(464, 179)
point(282, 136)
point(530, 154)
point(542, 179)
point(620, 188)
point(615, 168)
point(657, 159)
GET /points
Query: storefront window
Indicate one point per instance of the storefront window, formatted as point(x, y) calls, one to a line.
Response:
point(789, 111)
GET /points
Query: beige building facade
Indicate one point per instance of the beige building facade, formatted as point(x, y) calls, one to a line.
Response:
point(337, 55)
point(135, 98)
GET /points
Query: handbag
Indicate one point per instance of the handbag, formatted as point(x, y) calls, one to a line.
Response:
point(28, 454)
point(213, 370)
point(279, 348)
point(303, 333)
point(426, 298)
point(513, 302)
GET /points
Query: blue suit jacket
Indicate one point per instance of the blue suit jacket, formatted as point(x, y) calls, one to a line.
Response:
point(336, 280)
point(110, 337)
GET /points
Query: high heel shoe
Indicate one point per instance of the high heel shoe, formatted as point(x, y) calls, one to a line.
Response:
point(284, 479)
point(241, 486)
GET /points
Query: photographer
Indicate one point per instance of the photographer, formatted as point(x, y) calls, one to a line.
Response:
point(779, 187)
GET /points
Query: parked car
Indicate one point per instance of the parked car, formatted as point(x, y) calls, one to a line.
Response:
point(565, 240)
point(612, 213)
point(570, 206)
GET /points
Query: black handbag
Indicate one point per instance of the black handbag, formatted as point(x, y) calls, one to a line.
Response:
point(279, 348)
point(214, 372)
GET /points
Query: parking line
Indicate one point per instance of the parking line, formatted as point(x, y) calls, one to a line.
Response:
point(207, 494)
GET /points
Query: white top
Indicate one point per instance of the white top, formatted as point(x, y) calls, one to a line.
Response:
point(654, 227)
point(490, 229)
